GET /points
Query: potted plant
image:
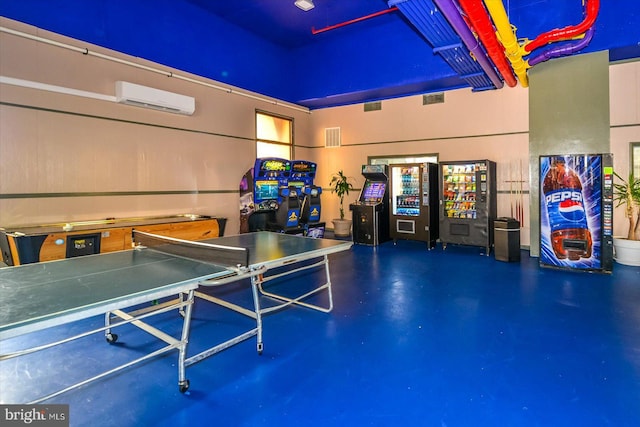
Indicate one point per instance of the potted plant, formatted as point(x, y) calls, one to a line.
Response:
point(341, 186)
point(627, 194)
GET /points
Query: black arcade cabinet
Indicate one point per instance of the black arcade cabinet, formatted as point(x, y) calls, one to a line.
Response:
point(310, 211)
point(287, 214)
point(371, 211)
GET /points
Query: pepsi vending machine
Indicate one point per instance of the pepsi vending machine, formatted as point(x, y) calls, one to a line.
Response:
point(576, 212)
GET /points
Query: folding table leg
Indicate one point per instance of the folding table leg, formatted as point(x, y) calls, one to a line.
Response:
point(183, 383)
point(108, 335)
point(255, 283)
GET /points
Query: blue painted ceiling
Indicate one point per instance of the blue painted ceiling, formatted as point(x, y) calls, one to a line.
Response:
point(267, 46)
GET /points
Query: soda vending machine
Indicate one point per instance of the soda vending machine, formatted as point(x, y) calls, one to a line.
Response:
point(468, 204)
point(414, 201)
point(576, 212)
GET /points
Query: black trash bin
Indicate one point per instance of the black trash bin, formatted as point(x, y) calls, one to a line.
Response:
point(506, 235)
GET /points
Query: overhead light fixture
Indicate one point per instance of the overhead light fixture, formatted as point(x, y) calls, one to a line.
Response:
point(305, 4)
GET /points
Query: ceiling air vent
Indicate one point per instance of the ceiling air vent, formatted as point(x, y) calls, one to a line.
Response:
point(372, 106)
point(433, 98)
point(331, 137)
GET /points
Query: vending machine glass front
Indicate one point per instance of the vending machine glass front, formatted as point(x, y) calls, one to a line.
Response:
point(405, 191)
point(459, 190)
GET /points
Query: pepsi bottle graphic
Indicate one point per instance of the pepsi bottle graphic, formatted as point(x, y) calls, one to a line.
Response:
point(569, 230)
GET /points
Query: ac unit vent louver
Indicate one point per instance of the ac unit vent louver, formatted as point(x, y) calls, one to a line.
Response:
point(156, 99)
point(332, 137)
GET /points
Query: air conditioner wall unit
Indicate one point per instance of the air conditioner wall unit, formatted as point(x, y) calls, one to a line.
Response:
point(148, 97)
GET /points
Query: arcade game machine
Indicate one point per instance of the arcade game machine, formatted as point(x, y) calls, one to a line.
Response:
point(371, 211)
point(303, 173)
point(267, 201)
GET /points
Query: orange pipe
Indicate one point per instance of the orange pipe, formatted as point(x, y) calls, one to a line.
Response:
point(483, 27)
point(592, 7)
point(506, 35)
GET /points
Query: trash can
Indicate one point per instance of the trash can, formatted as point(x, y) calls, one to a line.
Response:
point(506, 235)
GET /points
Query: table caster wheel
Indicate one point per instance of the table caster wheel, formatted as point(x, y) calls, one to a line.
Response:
point(184, 386)
point(111, 338)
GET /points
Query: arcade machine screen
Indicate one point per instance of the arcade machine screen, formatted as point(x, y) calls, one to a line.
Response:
point(297, 184)
point(373, 192)
point(265, 190)
point(302, 172)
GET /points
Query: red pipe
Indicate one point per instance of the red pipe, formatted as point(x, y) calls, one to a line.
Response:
point(592, 8)
point(483, 27)
point(353, 21)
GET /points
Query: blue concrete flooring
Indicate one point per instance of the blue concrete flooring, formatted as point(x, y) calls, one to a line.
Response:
point(417, 338)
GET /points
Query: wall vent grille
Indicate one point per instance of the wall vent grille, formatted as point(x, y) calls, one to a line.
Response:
point(332, 137)
point(433, 98)
point(372, 106)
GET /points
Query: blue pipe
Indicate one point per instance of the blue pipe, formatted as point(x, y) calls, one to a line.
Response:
point(451, 12)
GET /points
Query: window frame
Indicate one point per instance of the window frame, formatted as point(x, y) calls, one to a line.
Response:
point(290, 144)
point(634, 161)
point(402, 158)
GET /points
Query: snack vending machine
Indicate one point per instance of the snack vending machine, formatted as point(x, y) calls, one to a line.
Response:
point(414, 202)
point(576, 212)
point(468, 204)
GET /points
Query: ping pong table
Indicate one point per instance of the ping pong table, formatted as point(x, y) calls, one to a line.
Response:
point(125, 287)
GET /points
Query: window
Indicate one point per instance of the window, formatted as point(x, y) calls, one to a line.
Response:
point(635, 159)
point(273, 136)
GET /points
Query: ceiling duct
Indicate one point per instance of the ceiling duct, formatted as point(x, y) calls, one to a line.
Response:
point(432, 24)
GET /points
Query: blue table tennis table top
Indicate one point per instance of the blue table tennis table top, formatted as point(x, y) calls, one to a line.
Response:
point(35, 296)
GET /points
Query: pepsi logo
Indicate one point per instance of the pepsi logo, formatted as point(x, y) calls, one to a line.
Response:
point(571, 209)
point(563, 195)
point(570, 206)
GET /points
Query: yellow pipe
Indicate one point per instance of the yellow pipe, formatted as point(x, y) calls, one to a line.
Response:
point(506, 35)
